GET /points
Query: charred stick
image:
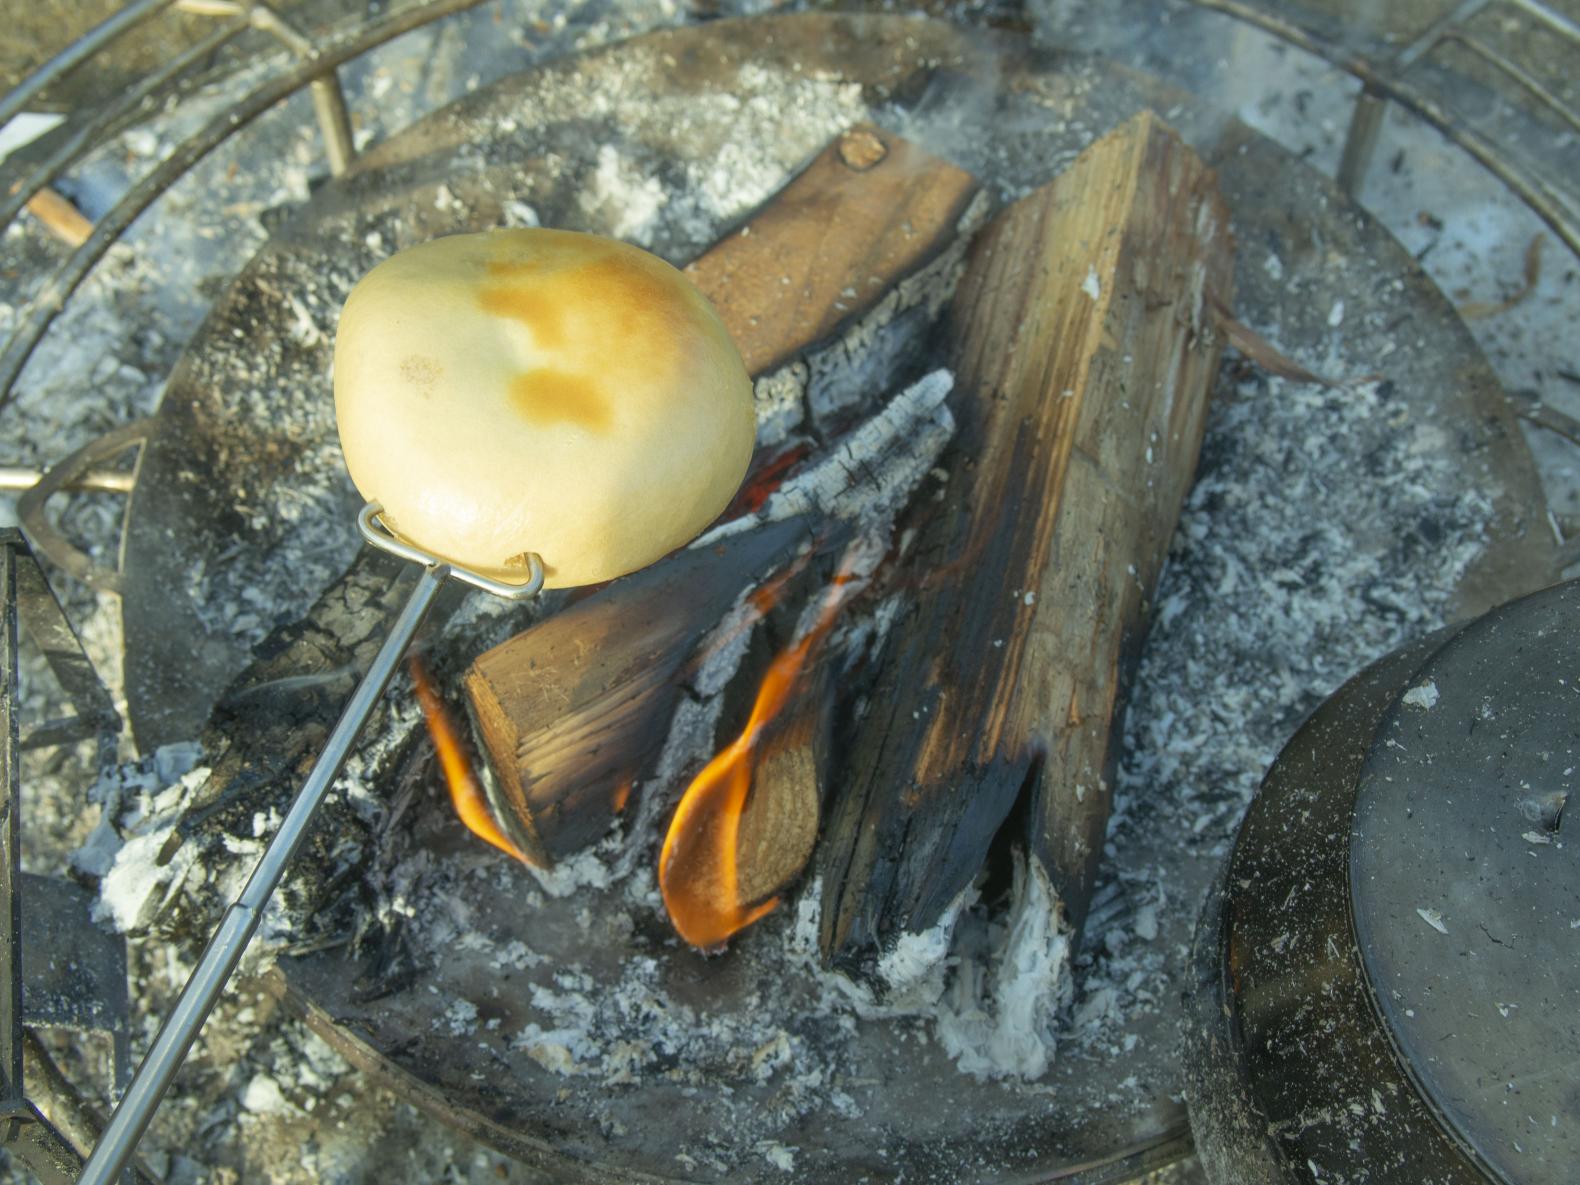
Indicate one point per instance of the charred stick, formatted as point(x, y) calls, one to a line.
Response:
point(573, 711)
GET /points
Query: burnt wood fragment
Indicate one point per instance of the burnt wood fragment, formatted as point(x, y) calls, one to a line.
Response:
point(780, 823)
point(789, 755)
point(1084, 351)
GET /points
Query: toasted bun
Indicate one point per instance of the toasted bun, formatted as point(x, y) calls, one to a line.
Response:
point(540, 390)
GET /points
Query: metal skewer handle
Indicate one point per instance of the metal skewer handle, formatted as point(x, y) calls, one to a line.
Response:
point(241, 920)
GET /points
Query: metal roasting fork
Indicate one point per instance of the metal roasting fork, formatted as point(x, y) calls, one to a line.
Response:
point(241, 920)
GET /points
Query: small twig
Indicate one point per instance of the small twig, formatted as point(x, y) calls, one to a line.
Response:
point(1533, 411)
point(1532, 277)
point(1258, 350)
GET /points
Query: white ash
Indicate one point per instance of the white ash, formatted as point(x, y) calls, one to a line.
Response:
point(778, 1155)
point(874, 352)
point(779, 399)
point(628, 1027)
point(135, 885)
point(990, 984)
point(141, 879)
point(890, 454)
point(590, 868)
point(914, 971)
point(263, 1096)
point(625, 198)
point(999, 1017)
point(1423, 696)
point(649, 189)
point(1285, 576)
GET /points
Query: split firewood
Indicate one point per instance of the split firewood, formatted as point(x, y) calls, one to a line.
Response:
point(870, 210)
point(575, 709)
point(1084, 350)
point(747, 823)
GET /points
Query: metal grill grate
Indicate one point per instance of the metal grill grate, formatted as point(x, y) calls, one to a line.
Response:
point(1412, 75)
point(1404, 75)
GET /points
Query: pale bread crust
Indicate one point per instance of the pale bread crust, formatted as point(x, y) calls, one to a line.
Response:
point(540, 390)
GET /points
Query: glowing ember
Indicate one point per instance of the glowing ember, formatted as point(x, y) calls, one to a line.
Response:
point(465, 794)
point(763, 484)
point(698, 870)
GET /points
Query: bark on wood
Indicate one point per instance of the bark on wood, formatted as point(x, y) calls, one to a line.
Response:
point(869, 210)
point(1084, 354)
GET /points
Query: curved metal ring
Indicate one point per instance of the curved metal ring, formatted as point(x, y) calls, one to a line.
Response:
point(376, 532)
point(45, 538)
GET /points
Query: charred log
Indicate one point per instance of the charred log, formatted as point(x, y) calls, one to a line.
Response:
point(1083, 347)
point(574, 711)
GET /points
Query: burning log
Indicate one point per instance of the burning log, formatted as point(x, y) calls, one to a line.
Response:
point(780, 824)
point(573, 711)
point(579, 705)
point(1084, 352)
point(560, 708)
point(746, 826)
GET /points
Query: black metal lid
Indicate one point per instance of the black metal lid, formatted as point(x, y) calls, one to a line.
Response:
point(1386, 972)
point(1465, 893)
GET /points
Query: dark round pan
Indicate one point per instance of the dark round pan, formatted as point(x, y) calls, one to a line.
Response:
point(1385, 971)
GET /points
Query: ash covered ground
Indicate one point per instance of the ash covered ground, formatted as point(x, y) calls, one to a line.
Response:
point(1264, 607)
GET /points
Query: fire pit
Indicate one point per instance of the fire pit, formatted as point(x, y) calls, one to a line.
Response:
point(555, 1016)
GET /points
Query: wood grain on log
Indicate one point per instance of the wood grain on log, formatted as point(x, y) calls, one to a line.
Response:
point(1084, 353)
point(780, 823)
point(870, 209)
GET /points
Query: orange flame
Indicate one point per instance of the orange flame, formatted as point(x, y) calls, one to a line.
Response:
point(697, 868)
point(465, 794)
